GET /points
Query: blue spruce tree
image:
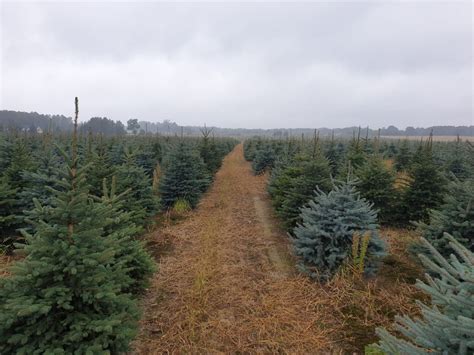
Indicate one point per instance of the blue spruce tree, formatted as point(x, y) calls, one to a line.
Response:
point(447, 326)
point(323, 240)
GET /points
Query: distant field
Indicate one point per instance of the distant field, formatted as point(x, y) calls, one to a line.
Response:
point(436, 138)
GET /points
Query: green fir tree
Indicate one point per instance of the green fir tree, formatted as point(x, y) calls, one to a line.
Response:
point(185, 177)
point(141, 202)
point(427, 187)
point(376, 184)
point(455, 216)
point(296, 184)
point(67, 294)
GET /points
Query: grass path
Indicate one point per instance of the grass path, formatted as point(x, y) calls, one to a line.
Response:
point(228, 284)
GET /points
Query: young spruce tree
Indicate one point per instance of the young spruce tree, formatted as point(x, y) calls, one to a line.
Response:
point(67, 294)
point(427, 187)
point(297, 183)
point(455, 216)
point(141, 202)
point(324, 238)
point(185, 177)
point(447, 326)
point(376, 184)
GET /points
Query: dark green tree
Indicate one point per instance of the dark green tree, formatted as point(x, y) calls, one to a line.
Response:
point(184, 177)
point(133, 256)
point(41, 180)
point(209, 152)
point(141, 202)
point(427, 187)
point(404, 157)
point(458, 163)
point(455, 216)
point(9, 213)
point(324, 238)
point(376, 184)
point(296, 184)
point(264, 159)
point(99, 168)
point(67, 294)
point(447, 326)
point(21, 161)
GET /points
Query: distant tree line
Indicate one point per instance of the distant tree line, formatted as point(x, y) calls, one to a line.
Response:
point(35, 122)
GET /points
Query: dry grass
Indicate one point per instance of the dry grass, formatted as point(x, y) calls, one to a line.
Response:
point(363, 305)
point(5, 262)
point(229, 283)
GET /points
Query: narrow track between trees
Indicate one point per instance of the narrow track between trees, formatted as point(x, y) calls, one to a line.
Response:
point(228, 282)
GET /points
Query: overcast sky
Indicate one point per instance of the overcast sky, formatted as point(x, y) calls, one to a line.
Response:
point(255, 65)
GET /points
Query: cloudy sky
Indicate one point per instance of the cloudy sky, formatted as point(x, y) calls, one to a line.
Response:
point(244, 64)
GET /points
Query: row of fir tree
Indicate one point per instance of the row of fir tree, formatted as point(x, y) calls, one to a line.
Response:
point(76, 207)
point(333, 194)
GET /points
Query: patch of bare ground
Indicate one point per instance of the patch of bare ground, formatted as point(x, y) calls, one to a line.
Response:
point(227, 283)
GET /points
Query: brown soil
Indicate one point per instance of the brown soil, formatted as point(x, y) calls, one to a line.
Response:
point(229, 284)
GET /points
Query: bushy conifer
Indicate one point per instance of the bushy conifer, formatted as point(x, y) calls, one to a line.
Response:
point(376, 184)
point(209, 152)
point(141, 202)
point(137, 262)
point(67, 294)
point(9, 213)
point(296, 184)
point(447, 326)
point(184, 177)
point(455, 216)
point(427, 187)
point(323, 240)
point(403, 158)
point(264, 159)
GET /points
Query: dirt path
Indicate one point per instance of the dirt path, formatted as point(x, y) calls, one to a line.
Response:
point(229, 284)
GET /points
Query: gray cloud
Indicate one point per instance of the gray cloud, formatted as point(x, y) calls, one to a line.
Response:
point(242, 64)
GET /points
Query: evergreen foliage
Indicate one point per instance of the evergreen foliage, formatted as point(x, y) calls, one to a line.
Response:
point(8, 212)
point(427, 187)
point(67, 295)
point(185, 177)
point(40, 180)
point(132, 254)
point(208, 150)
point(403, 158)
point(324, 238)
point(141, 202)
point(264, 159)
point(455, 216)
point(458, 163)
point(447, 326)
point(295, 184)
point(100, 168)
point(376, 184)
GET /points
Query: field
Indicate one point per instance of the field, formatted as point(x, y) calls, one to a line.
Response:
point(210, 242)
